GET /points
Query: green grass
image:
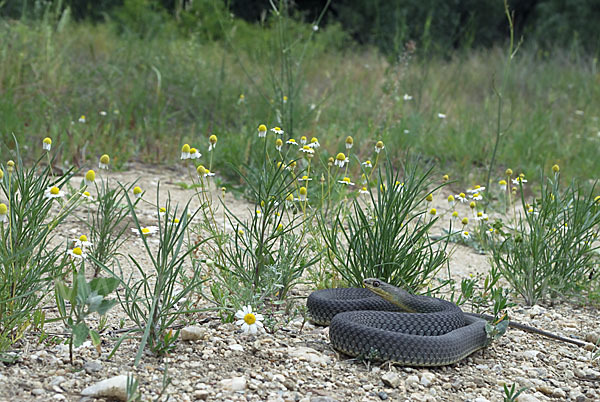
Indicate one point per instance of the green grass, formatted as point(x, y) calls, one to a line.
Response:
point(169, 90)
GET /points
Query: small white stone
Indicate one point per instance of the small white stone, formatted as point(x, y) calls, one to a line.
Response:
point(234, 384)
point(411, 380)
point(530, 354)
point(527, 398)
point(237, 347)
point(427, 378)
point(192, 333)
point(391, 379)
point(115, 387)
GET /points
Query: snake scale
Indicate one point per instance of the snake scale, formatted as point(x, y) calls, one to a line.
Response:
point(383, 322)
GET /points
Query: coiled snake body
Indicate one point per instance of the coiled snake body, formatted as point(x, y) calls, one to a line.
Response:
point(404, 328)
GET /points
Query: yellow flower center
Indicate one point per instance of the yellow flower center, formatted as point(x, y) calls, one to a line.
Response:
point(86, 193)
point(379, 144)
point(213, 139)
point(54, 190)
point(145, 231)
point(137, 190)
point(349, 140)
point(83, 238)
point(340, 157)
point(77, 251)
point(185, 148)
point(302, 190)
point(429, 197)
point(250, 318)
point(346, 179)
point(278, 142)
point(3, 209)
point(90, 175)
point(48, 140)
point(465, 221)
point(450, 198)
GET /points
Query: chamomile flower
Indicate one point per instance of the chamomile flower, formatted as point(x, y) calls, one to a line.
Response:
point(208, 173)
point(303, 140)
point(477, 196)
point(82, 242)
point(465, 235)
point(429, 198)
point(277, 130)
point(87, 195)
point(289, 199)
point(451, 200)
point(314, 143)
point(47, 144)
point(462, 197)
point(137, 192)
point(476, 189)
point(194, 154)
point(10, 166)
point(77, 253)
point(508, 172)
point(250, 322)
point(481, 216)
point(597, 199)
point(162, 211)
point(465, 221)
point(90, 177)
point(285, 99)
point(341, 160)
point(454, 215)
point(201, 170)
point(278, 144)
point(346, 181)
point(433, 212)
point(104, 161)
point(379, 146)
point(441, 115)
point(3, 213)
point(212, 142)
point(302, 193)
point(367, 164)
point(53, 192)
point(291, 141)
point(146, 231)
point(521, 179)
point(349, 142)
point(262, 131)
point(185, 151)
point(399, 187)
point(363, 191)
point(307, 150)
point(502, 183)
point(407, 97)
point(82, 119)
point(556, 168)
point(445, 177)
point(305, 178)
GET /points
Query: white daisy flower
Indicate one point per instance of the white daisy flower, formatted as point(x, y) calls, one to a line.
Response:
point(82, 119)
point(367, 164)
point(363, 191)
point(82, 242)
point(346, 181)
point(465, 235)
point(53, 192)
point(441, 115)
point(146, 231)
point(250, 322)
point(277, 130)
point(407, 97)
point(77, 253)
point(291, 141)
point(462, 197)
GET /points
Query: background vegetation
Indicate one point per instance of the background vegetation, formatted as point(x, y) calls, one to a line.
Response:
point(151, 75)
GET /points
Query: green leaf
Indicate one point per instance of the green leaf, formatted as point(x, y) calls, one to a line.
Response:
point(105, 306)
point(80, 334)
point(63, 290)
point(95, 338)
point(104, 286)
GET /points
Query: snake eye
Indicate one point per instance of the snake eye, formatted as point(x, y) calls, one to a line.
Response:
point(375, 284)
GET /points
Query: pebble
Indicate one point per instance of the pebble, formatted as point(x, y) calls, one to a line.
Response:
point(427, 378)
point(411, 381)
point(391, 379)
point(234, 384)
point(57, 380)
point(237, 347)
point(527, 398)
point(192, 333)
point(115, 387)
point(92, 366)
point(308, 354)
point(382, 395)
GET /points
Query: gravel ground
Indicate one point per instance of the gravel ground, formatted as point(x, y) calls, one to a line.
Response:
point(215, 361)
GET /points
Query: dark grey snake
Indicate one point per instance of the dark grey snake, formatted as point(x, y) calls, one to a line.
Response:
point(361, 323)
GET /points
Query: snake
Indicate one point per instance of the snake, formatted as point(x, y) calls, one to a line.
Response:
point(382, 322)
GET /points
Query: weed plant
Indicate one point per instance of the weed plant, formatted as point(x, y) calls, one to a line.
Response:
point(154, 302)
point(389, 237)
point(551, 252)
point(28, 263)
point(107, 222)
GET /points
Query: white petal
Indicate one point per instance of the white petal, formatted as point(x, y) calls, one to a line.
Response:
point(240, 322)
point(259, 317)
point(253, 329)
point(240, 314)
